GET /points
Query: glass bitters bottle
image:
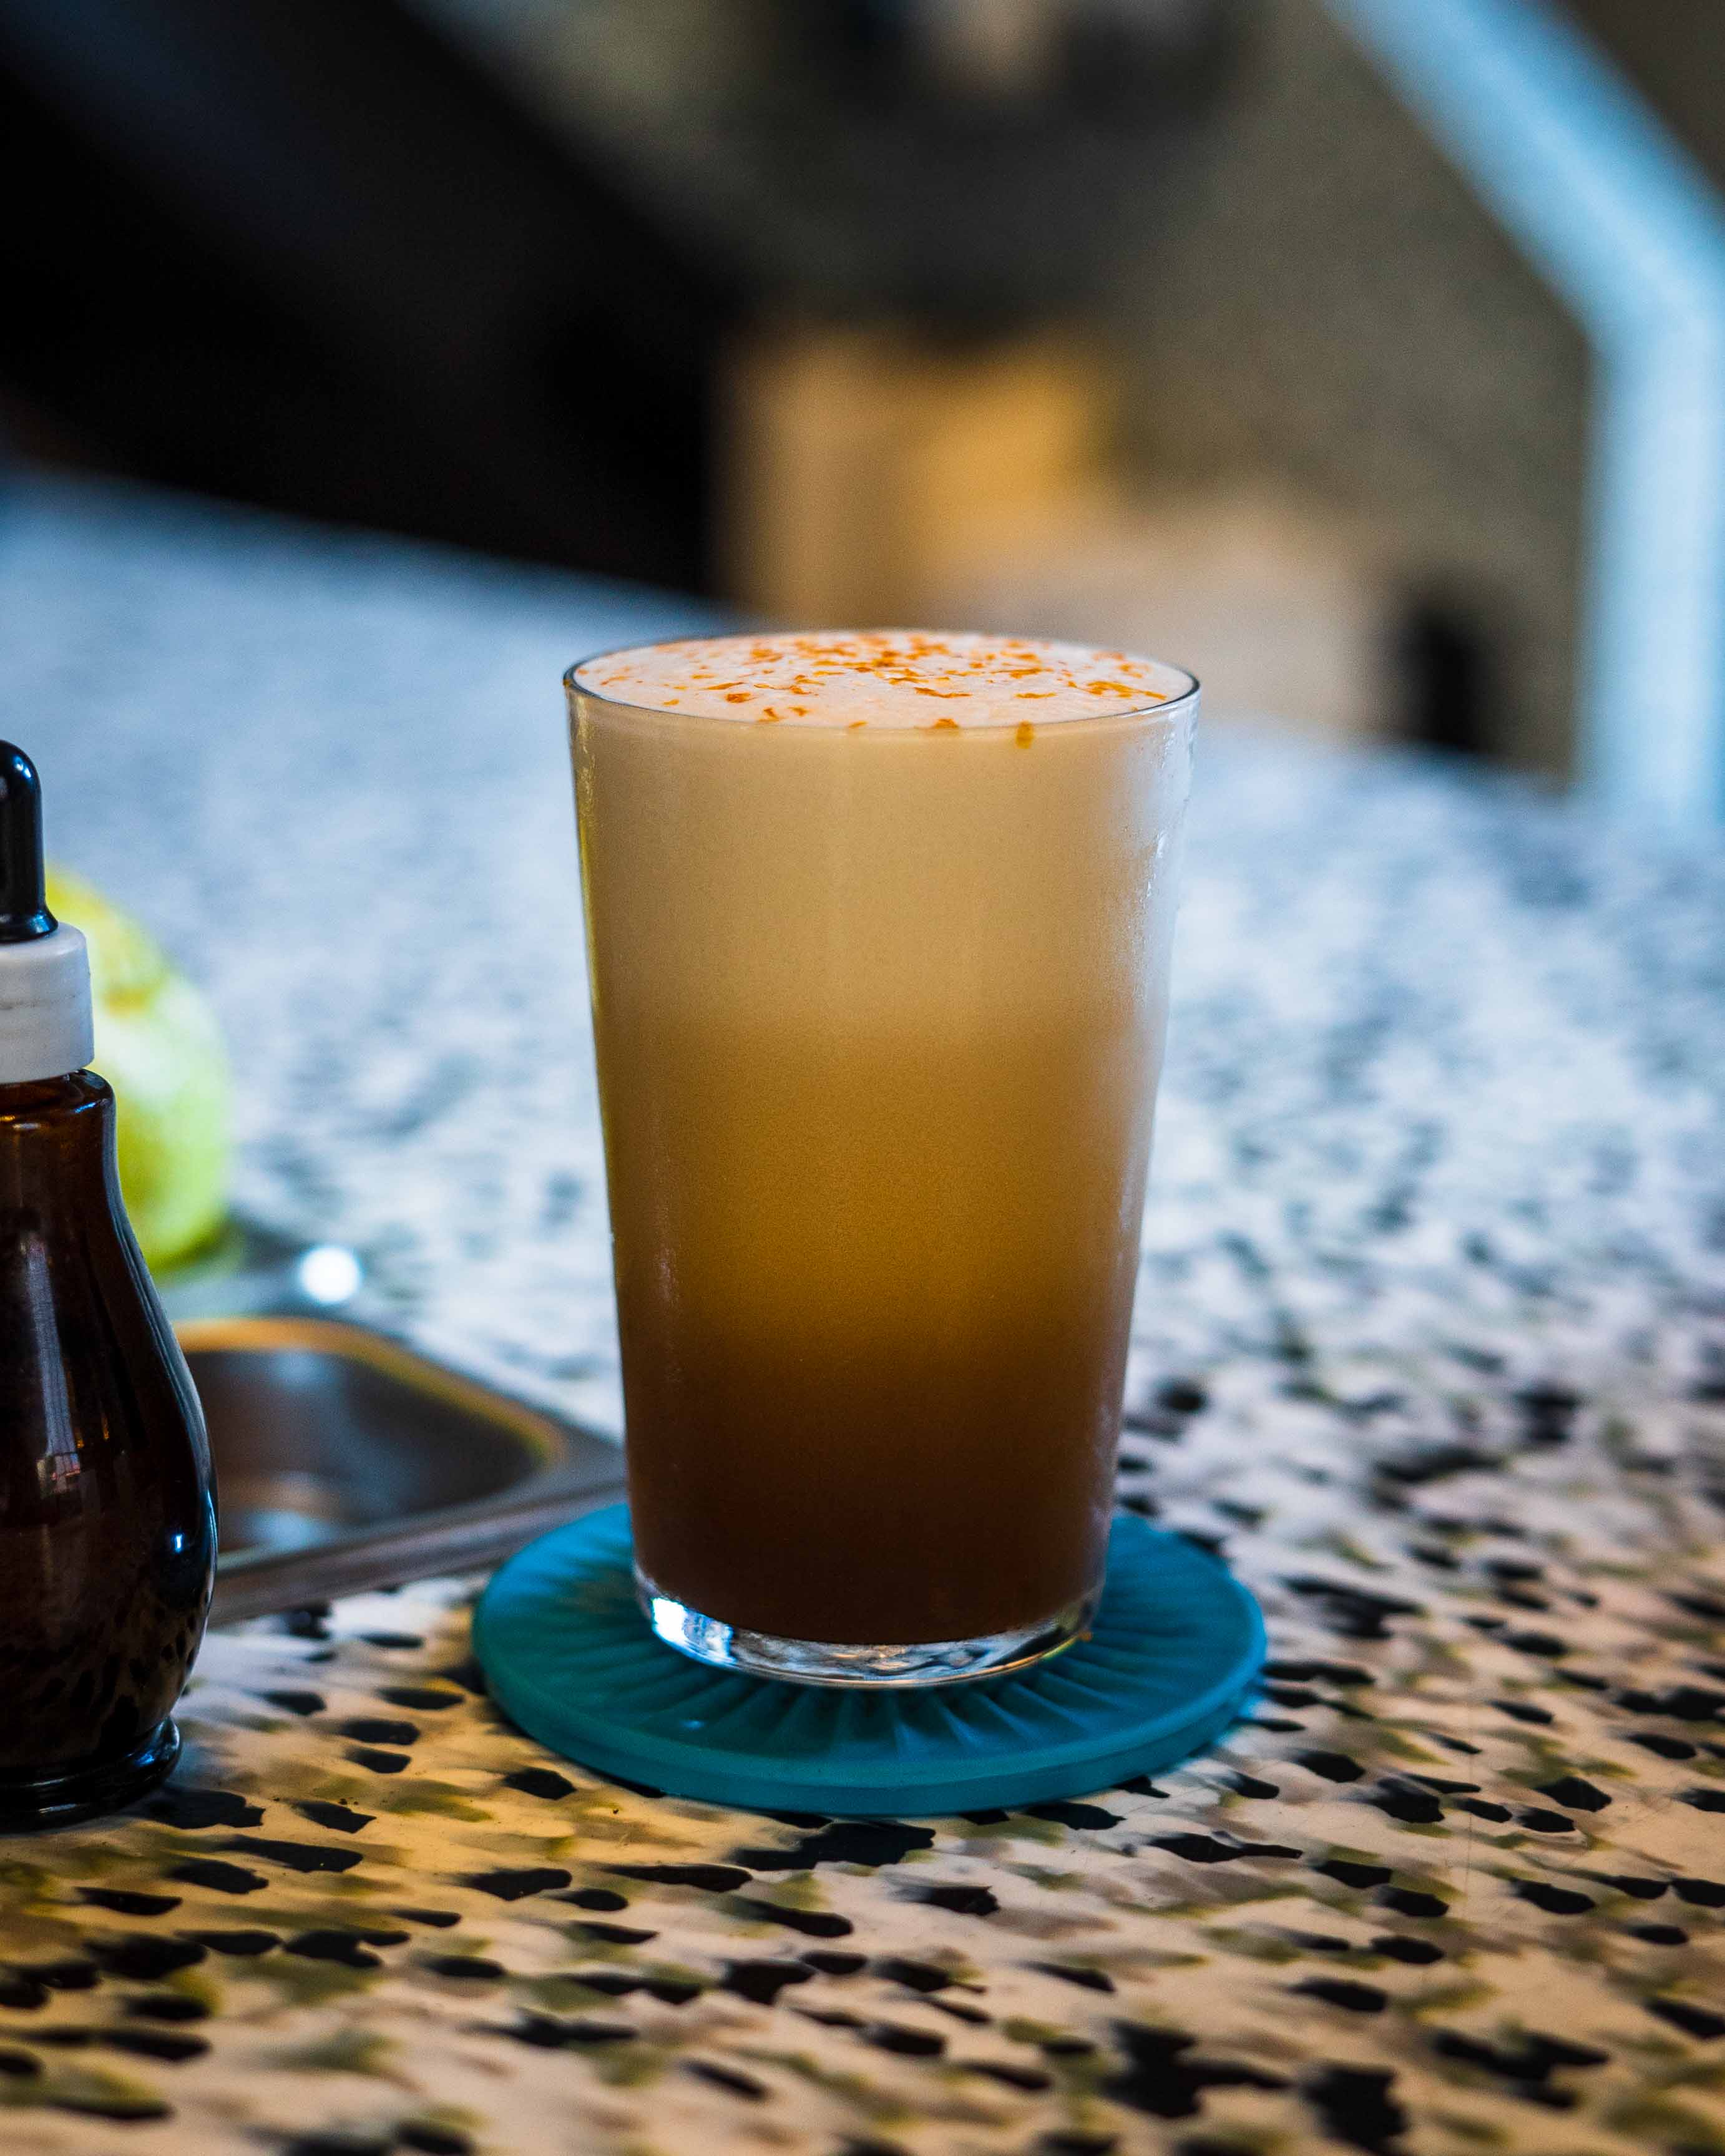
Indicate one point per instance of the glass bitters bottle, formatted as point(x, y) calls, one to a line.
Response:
point(107, 1504)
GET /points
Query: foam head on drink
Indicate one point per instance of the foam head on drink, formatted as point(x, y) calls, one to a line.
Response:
point(878, 930)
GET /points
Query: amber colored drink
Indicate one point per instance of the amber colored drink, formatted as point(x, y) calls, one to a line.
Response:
point(878, 934)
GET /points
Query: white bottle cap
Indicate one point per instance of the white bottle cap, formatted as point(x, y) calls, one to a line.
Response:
point(47, 1027)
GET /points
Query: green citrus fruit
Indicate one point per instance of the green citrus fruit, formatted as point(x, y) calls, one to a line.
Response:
point(158, 1045)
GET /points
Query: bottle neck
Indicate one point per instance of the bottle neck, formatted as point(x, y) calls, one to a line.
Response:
point(46, 1013)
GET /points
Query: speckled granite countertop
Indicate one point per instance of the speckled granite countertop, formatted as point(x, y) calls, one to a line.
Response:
point(1430, 1340)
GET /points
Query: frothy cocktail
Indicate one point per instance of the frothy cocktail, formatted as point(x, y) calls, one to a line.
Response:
point(878, 929)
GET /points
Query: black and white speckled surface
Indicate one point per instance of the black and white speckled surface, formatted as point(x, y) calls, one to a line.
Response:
point(1431, 1338)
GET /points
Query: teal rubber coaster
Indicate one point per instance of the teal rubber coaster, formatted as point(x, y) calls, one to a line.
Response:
point(1176, 1645)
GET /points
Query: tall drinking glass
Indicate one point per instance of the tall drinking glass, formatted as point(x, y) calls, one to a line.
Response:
point(878, 931)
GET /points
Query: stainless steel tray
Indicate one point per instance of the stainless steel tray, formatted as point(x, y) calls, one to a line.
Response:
point(345, 1460)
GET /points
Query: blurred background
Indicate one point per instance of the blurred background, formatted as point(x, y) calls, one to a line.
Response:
point(1249, 331)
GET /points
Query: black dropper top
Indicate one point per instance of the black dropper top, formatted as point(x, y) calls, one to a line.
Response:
point(23, 901)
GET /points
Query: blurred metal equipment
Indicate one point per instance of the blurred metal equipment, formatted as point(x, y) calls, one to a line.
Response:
point(345, 1462)
point(987, 162)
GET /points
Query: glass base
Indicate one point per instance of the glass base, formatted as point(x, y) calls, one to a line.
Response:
point(59, 1799)
point(836, 1662)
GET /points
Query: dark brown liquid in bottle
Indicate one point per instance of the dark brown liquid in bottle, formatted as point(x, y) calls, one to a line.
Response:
point(107, 1513)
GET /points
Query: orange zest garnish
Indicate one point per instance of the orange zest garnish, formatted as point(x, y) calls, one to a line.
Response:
point(871, 674)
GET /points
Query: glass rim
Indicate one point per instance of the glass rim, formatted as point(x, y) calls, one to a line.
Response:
point(1180, 703)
